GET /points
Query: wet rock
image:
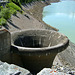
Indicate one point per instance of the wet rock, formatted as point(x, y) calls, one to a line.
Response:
point(11, 69)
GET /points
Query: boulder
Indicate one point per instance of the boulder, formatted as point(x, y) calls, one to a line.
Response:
point(11, 69)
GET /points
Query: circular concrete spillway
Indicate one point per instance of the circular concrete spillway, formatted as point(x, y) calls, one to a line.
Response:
point(37, 48)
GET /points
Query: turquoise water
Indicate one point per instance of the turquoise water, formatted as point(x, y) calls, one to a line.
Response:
point(61, 15)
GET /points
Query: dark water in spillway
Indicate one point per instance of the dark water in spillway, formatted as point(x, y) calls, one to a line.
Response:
point(61, 15)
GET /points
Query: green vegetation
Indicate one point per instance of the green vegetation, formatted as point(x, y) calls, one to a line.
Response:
point(5, 13)
point(17, 2)
point(2, 21)
point(11, 8)
point(14, 6)
point(13, 11)
point(1, 7)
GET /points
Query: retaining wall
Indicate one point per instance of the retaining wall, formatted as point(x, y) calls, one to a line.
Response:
point(5, 43)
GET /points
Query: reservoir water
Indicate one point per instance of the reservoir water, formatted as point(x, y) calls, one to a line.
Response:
point(61, 15)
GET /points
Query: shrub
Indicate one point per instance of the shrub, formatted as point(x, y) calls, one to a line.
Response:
point(17, 2)
point(5, 13)
point(13, 11)
point(1, 7)
point(14, 6)
point(2, 21)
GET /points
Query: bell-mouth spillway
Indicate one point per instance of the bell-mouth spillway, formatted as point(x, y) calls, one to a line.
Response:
point(38, 48)
point(38, 39)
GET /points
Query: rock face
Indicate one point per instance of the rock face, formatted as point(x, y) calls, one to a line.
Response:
point(11, 69)
point(48, 71)
point(57, 70)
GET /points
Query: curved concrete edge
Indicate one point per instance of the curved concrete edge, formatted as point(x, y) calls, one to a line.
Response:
point(39, 49)
point(23, 49)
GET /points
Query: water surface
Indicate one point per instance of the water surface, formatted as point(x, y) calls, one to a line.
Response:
point(61, 15)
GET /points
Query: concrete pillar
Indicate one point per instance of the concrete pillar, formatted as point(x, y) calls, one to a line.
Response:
point(5, 43)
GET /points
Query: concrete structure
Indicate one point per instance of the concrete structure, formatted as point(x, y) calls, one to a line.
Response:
point(6, 55)
point(5, 42)
point(34, 47)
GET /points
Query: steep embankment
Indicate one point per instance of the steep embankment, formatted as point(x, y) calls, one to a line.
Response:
point(35, 9)
point(25, 20)
point(66, 57)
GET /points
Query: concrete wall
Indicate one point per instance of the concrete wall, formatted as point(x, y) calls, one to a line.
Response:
point(5, 42)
